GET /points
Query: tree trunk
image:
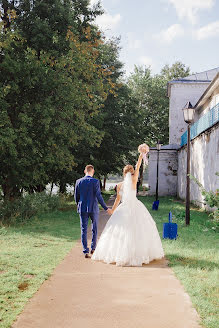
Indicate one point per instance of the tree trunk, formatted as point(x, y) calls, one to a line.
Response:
point(104, 183)
point(39, 188)
point(30, 189)
point(51, 188)
point(101, 185)
point(10, 192)
point(62, 188)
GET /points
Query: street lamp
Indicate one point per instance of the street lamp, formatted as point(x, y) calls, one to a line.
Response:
point(158, 146)
point(188, 113)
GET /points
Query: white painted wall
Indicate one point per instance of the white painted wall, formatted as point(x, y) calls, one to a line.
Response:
point(204, 164)
point(180, 93)
point(167, 172)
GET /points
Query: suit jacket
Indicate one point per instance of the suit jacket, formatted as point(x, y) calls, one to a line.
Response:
point(88, 194)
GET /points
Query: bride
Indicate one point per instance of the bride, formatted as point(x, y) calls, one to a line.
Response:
point(130, 237)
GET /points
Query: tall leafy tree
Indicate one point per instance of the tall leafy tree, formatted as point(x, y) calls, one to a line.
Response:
point(177, 70)
point(117, 123)
point(120, 123)
point(153, 104)
point(45, 103)
point(150, 91)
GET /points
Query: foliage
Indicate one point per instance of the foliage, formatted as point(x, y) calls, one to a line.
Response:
point(177, 70)
point(153, 104)
point(150, 92)
point(117, 123)
point(211, 198)
point(48, 97)
point(63, 100)
point(120, 121)
point(193, 256)
point(24, 208)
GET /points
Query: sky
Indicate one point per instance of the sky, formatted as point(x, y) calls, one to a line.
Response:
point(158, 32)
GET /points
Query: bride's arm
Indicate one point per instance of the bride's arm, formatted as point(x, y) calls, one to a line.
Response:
point(137, 168)
point(118, 198)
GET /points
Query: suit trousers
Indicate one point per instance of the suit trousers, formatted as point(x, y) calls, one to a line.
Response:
point(84, 217)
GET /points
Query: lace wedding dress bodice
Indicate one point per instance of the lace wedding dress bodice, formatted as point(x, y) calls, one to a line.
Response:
point(127, 191)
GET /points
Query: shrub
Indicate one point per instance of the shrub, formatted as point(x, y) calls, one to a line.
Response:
point(22, 209)
point(211, 198)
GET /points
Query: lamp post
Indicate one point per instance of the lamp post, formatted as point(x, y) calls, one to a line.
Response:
point(188, 113)
point(158, 146)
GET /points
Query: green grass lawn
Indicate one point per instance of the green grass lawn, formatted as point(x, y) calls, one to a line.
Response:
point(194, 256)
point(28, 255)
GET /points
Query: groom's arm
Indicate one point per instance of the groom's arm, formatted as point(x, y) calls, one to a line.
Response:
point(77, 193)
point(99, 196)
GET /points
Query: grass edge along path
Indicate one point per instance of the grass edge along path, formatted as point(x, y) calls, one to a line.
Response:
point(193, 257)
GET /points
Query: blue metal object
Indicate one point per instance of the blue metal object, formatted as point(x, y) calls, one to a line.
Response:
point(155, 205)
point(170, 229)
point(204, 123)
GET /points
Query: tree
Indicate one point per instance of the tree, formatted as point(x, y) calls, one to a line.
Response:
point(117, 123)
point(150, 91)
point(177, 70)
point(120, 123)
point(44, 24)
point(153, 104)
point(46, 102)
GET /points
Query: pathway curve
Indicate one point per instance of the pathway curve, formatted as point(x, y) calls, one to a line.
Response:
point(86, 294)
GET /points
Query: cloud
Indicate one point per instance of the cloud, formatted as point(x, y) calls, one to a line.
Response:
point(133, 43)
point(189, 9)
point(107, 21)
point(207, 31)
point(145, 60)
point(172, 32)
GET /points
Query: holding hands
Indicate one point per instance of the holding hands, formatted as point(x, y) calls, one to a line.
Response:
point(109, 211)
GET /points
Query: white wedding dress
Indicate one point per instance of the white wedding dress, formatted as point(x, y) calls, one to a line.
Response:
point(130, 237)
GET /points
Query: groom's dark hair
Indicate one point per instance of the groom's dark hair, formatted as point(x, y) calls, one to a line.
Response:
point(89, 168)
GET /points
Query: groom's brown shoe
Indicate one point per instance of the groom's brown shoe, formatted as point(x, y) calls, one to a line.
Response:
point(86, 256)
point(92, 251)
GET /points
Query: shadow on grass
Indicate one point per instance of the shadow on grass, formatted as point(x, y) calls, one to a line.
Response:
point(57, 224)
point(62, 224)
point(191, 262)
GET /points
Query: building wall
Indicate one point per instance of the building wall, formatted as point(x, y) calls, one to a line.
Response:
point(204, 164)
point(180, 93)
point(167, 172)
point(209, 103)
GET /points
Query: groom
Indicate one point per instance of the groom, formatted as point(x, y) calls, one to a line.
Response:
point(87, 196)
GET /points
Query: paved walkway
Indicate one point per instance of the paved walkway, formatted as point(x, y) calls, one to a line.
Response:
point(86, 294)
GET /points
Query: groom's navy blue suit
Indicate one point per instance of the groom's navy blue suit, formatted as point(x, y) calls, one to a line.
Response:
point(87, 196)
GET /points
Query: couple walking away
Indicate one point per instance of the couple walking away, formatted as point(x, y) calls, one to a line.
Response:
point(130, 237)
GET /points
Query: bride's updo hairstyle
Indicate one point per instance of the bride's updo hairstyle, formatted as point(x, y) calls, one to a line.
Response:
point(128, 168)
